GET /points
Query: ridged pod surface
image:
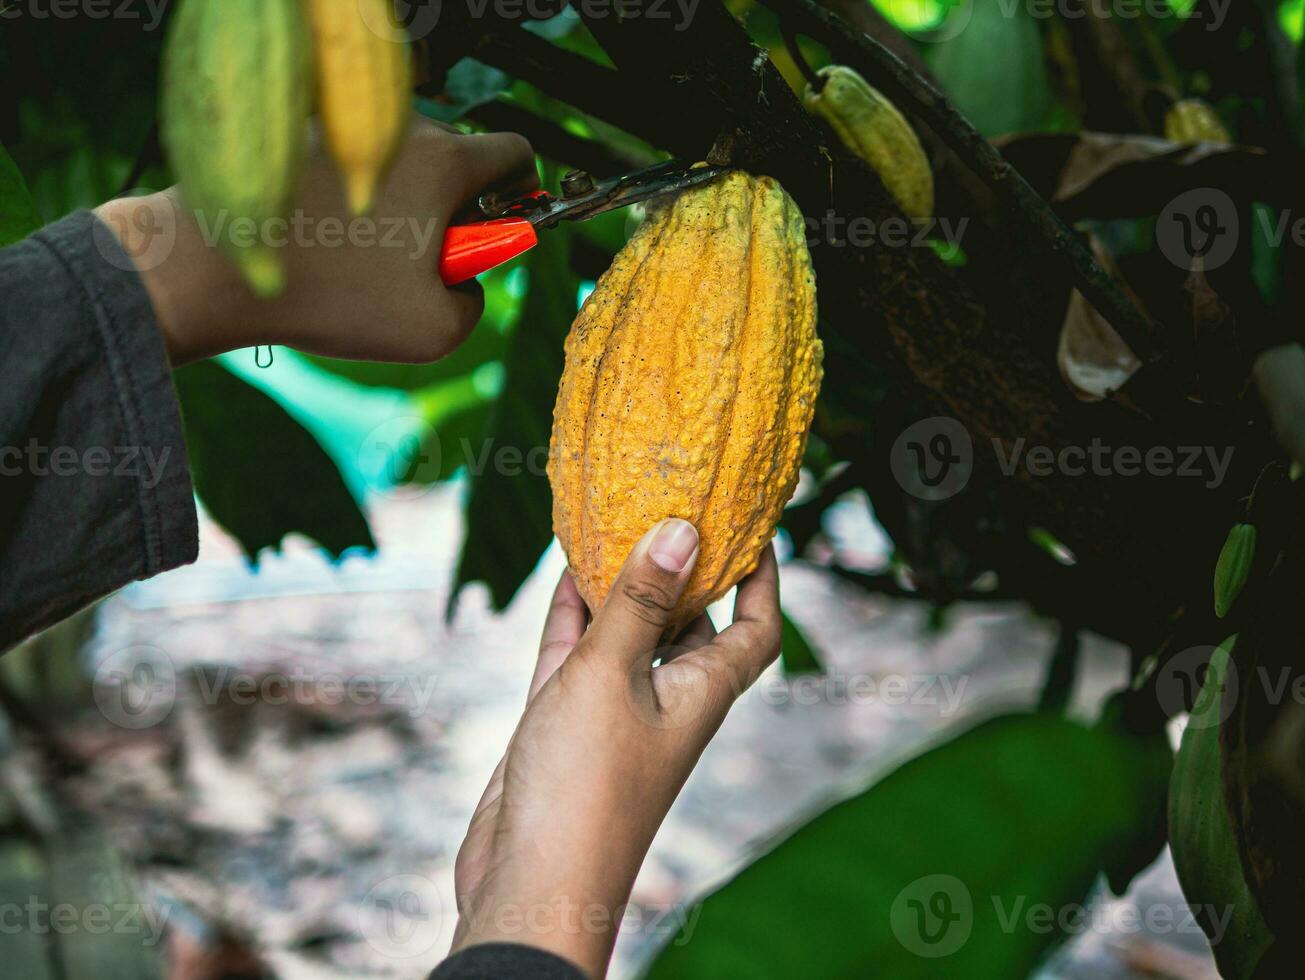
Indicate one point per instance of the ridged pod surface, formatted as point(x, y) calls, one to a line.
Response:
point(364, 89)
point(872, 128)
point(690, 382)
point(236, 97)
point(1192, 121)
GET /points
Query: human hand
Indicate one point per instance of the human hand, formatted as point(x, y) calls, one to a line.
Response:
point(364, 288)
point(605, 744)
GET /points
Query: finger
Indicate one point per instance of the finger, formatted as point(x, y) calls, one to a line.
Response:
point(751, 643)
point(641, 603)
point(699, 633)
point(503, 161)
point(466, 307)
point(696, 635)
point(567, 618)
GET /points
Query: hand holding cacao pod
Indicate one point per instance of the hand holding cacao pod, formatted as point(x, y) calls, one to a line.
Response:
point(690, 382)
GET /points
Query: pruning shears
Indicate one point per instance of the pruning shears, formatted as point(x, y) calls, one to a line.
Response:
point(499, 230)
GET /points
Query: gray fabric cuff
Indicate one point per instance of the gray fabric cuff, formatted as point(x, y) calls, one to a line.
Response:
point(505, 961)
point(102, 493)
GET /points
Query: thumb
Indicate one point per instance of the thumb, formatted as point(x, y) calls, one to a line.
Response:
point(641, 603)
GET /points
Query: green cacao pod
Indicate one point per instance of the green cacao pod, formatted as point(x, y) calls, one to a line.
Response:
point(872, 128)
point(1233, 566)
point(236, 99)
point(1192, 121)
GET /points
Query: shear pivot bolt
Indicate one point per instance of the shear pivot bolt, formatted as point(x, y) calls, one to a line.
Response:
point(576, 182)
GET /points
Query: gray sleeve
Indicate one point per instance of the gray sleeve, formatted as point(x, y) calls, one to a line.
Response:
point(94, 486)
point(505, 961)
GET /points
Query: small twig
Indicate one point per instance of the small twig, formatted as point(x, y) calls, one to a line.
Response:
point(589, 86)
point(1061, 671)
point(886, 584)
point(151, 152)
point(1116, 65)
point(915, 95)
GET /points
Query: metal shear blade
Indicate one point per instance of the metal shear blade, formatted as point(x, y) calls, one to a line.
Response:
point(543, 210)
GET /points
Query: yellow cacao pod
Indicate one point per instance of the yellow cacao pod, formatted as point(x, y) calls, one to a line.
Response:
point(872, 128)
point(236, 97)
point(690, 381)
point(1192, 121)
point(364, 89)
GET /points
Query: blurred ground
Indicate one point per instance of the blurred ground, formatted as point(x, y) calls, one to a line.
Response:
point(289, 760)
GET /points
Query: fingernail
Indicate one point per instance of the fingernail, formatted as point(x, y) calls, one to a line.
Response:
point(674, 544)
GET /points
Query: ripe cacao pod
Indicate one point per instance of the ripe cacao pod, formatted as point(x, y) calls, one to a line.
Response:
point(690, 382)
point(1233, 566)
point(364, 89)
point(1192, 121)
point(872, 128)
point(236, 97)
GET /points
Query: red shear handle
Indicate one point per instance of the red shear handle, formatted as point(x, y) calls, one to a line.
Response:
point(469, 250)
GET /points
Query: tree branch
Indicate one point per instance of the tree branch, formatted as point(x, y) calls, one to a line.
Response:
point(585, 84)
point(914, 95)
point(552, 141)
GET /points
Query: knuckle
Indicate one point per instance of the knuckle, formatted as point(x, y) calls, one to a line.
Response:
point(554, 647)
point(518, 146)
point(649, 601)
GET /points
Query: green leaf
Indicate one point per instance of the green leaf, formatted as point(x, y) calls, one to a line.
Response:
point(451, 446)
point(456, 414)
point(82, 118)
point(23, 876)
point(509, 512)
point(258, 471)
point(1201, 836)
point(993, 67)
point(112, 934)
point(18, 217)
point(86, 874)
point(1150, 747)
point(1266, 252)
point(796, 653)
point(948, 867)
point(467, 85)
point(1233, 567)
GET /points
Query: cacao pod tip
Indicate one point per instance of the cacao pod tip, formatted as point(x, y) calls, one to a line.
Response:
point(262, 270)
point(362, 192)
